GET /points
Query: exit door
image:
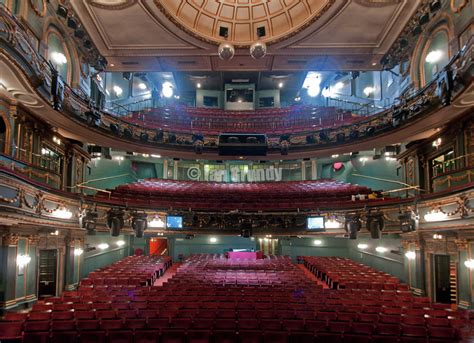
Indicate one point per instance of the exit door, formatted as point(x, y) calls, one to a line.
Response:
point(442, 279)
point(47, 273)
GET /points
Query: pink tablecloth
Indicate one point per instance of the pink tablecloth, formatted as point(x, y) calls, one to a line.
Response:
point(245, 255)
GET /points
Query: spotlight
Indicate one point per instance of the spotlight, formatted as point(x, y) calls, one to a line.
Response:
point(403, 43)
point(408, 221)
point(87, 44)
point(353, 225)
point(127, 133)
point(72, 23)
point(79, 33)
point(435, 6)
point(172, 138)
point(139, 224)
point(158, 136)
point(417, 30)
point(62, 11)
point(340, 137)
point(115, 128)
point(354, 134)
point(57, 90)
point(144, 137)
point(424, 19)
point(375, 224)
point(246, 228)
point(93, 117)
point(323, 136)
point(87, 220)
point(310, 139)
point(115, 221)
point(370, 130)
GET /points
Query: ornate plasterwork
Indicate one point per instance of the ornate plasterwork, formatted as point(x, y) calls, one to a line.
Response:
point(10, 239)
point(112, 4)
point(281, 19)
point(377, 3)
point(39, 7)
point(458, 5)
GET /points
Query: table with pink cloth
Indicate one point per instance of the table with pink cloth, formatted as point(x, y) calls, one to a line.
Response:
point(249, 255)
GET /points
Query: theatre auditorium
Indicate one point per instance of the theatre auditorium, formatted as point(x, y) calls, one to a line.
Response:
point(236, 171)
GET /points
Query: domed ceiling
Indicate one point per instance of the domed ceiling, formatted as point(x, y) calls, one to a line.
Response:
point(241, 19)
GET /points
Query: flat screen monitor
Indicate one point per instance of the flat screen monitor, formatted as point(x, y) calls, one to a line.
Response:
point(239, 95)
point(315, 223)
point(174, 222)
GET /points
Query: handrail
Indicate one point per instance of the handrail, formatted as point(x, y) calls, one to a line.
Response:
point(77, 105)
point(448, 163)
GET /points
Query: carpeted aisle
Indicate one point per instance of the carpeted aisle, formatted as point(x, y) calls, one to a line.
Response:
point(310, 276)
point(170, 272)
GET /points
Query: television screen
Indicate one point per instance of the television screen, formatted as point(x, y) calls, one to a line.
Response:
point(315, 223)
point(174, 222)
point(239, 95)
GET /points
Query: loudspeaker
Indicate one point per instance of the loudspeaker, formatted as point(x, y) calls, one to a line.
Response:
point(261, 31)
point(57, 90)
point(127, 76)
point(353, 225)
point(236, 144)
point(87, 221)
point(115, 222)
point(223, 31)
point(375, 224)
point(408, 222)
point(139, 224)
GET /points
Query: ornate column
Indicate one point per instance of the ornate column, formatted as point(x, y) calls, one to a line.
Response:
point(8, 251)
point(465, 293)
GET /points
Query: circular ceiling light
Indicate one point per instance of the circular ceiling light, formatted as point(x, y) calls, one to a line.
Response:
point(167, 89)
point(226, 51)
point(258, 50)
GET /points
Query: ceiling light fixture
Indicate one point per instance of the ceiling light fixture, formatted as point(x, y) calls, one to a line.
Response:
point(167, 89)
point(280, 85)
point(369, 90)
point(118, 90)
point(198, 85)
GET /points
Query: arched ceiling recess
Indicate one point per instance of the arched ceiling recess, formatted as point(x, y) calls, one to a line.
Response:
point(279, 19)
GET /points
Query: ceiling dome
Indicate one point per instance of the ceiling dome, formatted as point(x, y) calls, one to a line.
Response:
point(210, 20)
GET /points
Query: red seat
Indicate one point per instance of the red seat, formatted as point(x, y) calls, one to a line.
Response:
point(15, 316)
point(173, 336)
point(111, 324)
point(120, 336)
point(414, 331)
point(88, 324)
point(36, 337)
point(92, 337)
point(64, 315)
point(199, 336)
point(135, 323)
point(275, 337)
point(146, 336)
point(63, 325)
point(250, 336)
point(36, 326)
point(63, 336)
point(10, 330)
point(84, 315)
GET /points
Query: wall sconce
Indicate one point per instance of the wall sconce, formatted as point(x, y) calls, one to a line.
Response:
point(213, 240)
point(103, 246)
point(469, 264)
point(62, 212)
point(317, 242)
point(381, 249)
point(435, 216)
point(22, 260)
point(120, 243)
point(78, 252)
point(362, 246)
point(411, 255)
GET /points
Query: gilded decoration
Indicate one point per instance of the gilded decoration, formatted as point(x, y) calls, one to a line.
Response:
point(39, 7)
point(10, 239)
point(462, 244)
point(112, 4)
point(458, 5)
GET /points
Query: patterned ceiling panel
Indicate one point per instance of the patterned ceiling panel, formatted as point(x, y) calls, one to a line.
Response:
point(206, 19)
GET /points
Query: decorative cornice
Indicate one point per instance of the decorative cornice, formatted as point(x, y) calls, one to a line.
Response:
point(112, 5)
point(10, 239)
point(377, 3)
point(462, 244)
